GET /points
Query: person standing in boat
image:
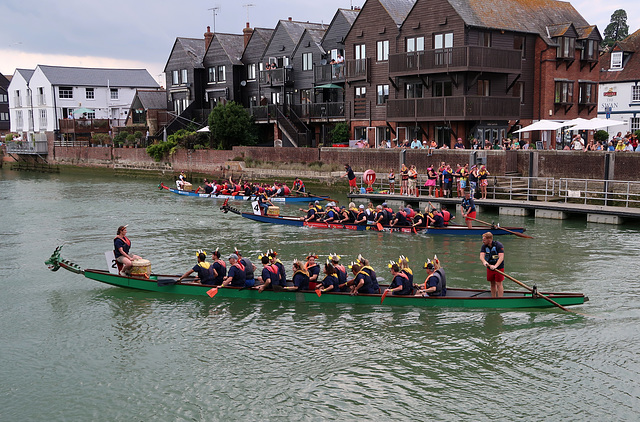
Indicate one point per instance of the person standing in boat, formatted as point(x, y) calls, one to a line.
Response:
point(313, 270)
point(121, 246)
point(219, 266)
point(492, 257)
point(205, 271)
point(301, 277)
point(400, 285)
point(236, 275)
point(468, 208)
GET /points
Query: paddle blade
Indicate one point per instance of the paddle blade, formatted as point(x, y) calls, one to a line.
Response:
point(386, 292)
point(379, 226)
point(318, 292)
point(212, 292)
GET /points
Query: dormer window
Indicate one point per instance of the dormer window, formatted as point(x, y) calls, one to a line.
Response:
point(616, 60)
point(566, 48)
point(589, 51)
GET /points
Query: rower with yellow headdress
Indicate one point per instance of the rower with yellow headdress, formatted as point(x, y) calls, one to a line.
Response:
point(205, 271)
point(435, 283)
point(300, 277)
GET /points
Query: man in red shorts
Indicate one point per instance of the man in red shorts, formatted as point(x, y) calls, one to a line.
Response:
point(353, 185)
point(492, 257)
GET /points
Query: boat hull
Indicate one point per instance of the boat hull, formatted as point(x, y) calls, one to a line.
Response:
point(449, 230)
point(457, 298)
point(274, 199)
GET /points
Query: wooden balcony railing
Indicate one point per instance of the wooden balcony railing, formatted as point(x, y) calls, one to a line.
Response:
point(84, 125)
point(358, 69)
point(468, 58)
point(276, 77)
point(328, 73)
point(453, 108)
point(319, 110)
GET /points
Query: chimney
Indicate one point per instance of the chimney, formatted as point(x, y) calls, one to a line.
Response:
point(247, 34)
point(208, 37)
point(289, 18)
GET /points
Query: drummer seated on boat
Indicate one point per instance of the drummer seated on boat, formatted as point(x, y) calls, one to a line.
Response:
point(400, 285)
point(300, 277)
point(432, 286)
point(264, 202)
point(121, 246)
point(269, 276)
point(236, 274)
point(206, 273)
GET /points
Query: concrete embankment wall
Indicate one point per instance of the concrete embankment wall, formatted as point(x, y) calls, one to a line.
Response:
point(558, 164)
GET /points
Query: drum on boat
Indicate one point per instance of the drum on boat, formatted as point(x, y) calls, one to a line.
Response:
point(141, 267)
point(187, 186)
point(273, 211)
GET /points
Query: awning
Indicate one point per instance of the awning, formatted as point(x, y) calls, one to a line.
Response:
point(542, 125)
point(329, 86)
point(597, 123)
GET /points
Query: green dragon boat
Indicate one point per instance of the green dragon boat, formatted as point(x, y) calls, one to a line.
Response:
point(455, 298)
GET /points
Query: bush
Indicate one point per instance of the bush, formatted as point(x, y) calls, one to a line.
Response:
point(137, 135)
point(131, 139)
point(100, 139)
point(340, 133)
point(162, 149)
point(9, 137)
point(637, 133)
point(602, 136)
point(230, 125)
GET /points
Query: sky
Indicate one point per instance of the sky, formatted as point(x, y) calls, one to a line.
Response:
point(140, 34)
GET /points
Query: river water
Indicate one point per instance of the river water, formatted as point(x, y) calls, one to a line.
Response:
point(75, 349)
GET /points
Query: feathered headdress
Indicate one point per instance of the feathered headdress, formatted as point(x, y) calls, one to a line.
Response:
point(199, 251)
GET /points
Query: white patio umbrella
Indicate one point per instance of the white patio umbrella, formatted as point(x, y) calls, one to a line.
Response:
point(541, 125)
point(573, 122)
point(597, 123)
point(204, 129)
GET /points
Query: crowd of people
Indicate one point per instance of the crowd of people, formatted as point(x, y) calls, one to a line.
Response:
point(628, 143)
point(240, 187)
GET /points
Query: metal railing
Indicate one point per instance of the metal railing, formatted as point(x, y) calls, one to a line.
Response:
point(27, 147)
point(543, 189)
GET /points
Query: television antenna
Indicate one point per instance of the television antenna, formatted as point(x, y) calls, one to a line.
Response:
point(247, 6)
point(215, 11)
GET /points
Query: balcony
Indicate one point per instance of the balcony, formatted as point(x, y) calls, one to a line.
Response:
point(457, 59)
point(276, 77)
point(453, 108)
point(328, 73)
point(319, 111)
point(84, 125)
point(358, 70)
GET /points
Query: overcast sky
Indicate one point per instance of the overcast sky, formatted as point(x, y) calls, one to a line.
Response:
point(140, 34)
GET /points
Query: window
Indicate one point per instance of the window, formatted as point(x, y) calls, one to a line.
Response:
point(4, 98)
point(483, 87)
point(587, 93)
point(307, 61)
point(183, 76)
point(518, 91)
point(519, 44)
point(484, 39)
point(635, 124)
point(616, 60)
point(566, 48)
point(4, 117)
point(114, 93)
point(383, 133)
point(89, 94)
point(65, 92)
point(413, 90)
point(40, 94)
point(415, 44)
point(442, 89)
point(589, 50)
point(383, 94)
point(443, 43)
point(211, 74)
point(174, 78)
point(361, 92)
point(43, 118)
point(251, 72)
point(564, 92)
point(222, 77)
point(635, 93)
point(383, 51)
point(19, 120)
point(360, 51)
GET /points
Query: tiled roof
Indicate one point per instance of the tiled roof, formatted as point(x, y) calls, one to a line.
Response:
point(153, 100)
point(264, 33)
point(233, 45)
point(398, 9)
point(194, 47)
point(26, 73)
point(79, 76)
point(529, 16)
point(631, 69)
point(349, 15)
point(295, 29)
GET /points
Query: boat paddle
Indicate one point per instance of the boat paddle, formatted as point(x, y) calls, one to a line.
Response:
point(502, 228)
point(212, 292)
point(535, 293)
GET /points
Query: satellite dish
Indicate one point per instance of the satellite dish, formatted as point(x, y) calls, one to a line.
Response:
point(323, 62)
point(243, 83)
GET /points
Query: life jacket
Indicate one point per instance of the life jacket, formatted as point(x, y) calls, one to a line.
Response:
point(421, 217)
point(408, 272)
point(318, 208)
point(438, 277)
point(239, 265)
point(222, 263)
point(446, 215)
point(372, 274)
point(491, 253)
point(411, 213)
point(286, 190)
point(443, 279)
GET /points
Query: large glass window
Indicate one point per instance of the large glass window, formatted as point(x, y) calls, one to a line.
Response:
point(443, 43)
point(175, 78)
point(383, 51)
point(65, 92)
point(413, 90)
point(183, 76)
point(383, 94)
point(635, 124)
point(89, 93)
point(359, 51)
point(616, 60)
point(587, 93)
point(222, 76)
point(590, 50)
point(361, 92)
point(415, 44)
point(635, 93)
point(519, 44)
point(251, 72)
point(307, 61)
point(483, 87)
point(564, 92)
point(211, 74)
point(43, 118)
point(518, 91)
point(114, 93)
point(566, 48)
point(484, 39)
point(442, 89)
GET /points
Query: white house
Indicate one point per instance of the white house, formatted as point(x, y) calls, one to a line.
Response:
point(41, 100)
point(619, 89)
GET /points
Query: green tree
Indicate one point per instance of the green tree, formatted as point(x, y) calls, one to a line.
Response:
point(340, 133)
point(230, 124)
point(618, 29)
point(601, 135)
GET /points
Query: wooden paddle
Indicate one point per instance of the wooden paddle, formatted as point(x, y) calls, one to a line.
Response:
point(502, 228)
point(531, 290)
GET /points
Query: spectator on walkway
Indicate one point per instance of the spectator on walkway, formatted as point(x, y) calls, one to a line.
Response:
point(459, 144)
point(415, 144)
point(577, 143)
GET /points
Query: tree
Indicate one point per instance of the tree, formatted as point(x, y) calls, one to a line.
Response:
point(230, 124)
point(618, 29)
point(340, 133)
